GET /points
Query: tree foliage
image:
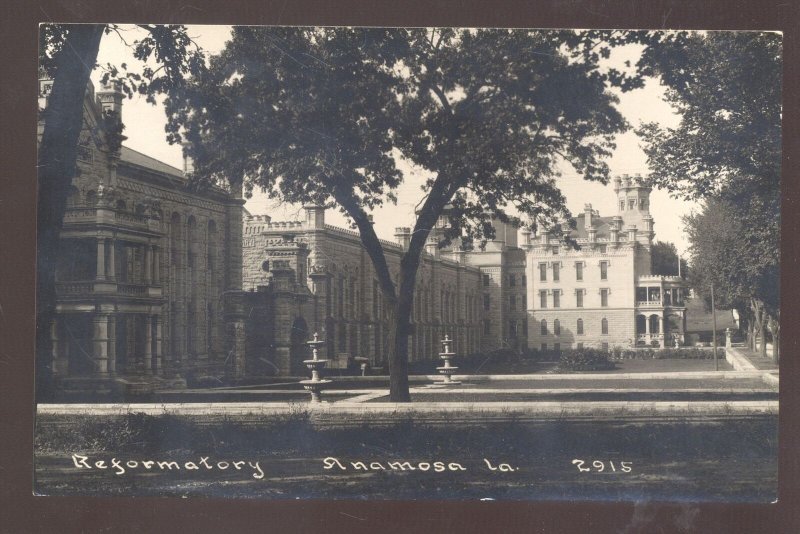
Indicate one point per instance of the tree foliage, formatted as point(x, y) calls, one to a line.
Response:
point(68, 55)
point(726, 88)
point(322, 114)
point(664, 260)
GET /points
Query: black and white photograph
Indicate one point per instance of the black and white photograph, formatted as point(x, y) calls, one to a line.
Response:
point(408, 263)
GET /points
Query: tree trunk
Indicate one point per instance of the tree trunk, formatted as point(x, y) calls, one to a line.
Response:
point(762, 333)
point(63, 121)
point(398, 357)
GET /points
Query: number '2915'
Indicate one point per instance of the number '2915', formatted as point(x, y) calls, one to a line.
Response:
point(599, 466)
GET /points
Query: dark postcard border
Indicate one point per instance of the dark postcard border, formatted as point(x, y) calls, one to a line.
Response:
point(21, 512)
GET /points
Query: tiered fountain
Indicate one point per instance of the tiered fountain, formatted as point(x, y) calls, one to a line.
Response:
point(315, 385)
point(447, 369)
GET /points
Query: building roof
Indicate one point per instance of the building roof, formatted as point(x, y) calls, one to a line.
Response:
point(601, 224)
point(129, 155)
point(698, 319)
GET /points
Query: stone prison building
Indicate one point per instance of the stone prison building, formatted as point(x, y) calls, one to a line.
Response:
point(156, 283)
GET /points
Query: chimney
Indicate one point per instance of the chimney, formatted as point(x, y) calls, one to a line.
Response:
point(315, 216)
point(188, 162)
point(403, 236)
point(616, 224)
point(110, 100)
point(587, 215)
point(432, 246)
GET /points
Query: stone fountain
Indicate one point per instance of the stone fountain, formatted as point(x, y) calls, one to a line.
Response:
point(315, 385)
point(446, 370)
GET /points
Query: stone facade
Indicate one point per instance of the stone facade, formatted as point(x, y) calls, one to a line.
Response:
point(143, 268)
point(156, 282)
point(328, 275)
point(602, 293)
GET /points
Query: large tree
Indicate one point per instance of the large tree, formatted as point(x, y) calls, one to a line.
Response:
point(664, 260)
point(726, 88)
point(322, 115)
point(68, 55)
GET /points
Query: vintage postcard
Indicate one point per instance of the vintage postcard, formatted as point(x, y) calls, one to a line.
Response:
point(408, 263)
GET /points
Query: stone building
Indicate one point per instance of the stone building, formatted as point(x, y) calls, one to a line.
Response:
point(602, 293)
point(143, 267)
point(308, 276)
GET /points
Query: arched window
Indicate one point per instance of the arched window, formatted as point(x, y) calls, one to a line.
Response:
point(580, 326)
point(543, 329)
point(91, 198)
point(557, 327)
point(604, 326)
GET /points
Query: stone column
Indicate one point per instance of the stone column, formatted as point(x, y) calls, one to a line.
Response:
point(100, 344)
point(101, 259)
point(112, 262)
point(661, 331)
point(112, 344)
point(148, 264)
point(148, 344)
point(156, 266)
point(157, 365)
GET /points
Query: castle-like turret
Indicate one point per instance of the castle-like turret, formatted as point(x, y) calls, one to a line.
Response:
point(633, 201)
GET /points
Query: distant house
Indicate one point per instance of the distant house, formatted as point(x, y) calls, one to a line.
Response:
point(700, 321)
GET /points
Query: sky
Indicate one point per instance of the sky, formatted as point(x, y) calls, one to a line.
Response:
point(144, 128)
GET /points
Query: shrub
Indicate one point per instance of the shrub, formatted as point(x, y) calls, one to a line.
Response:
point(584, 360)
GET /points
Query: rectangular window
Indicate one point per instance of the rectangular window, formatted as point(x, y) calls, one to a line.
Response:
point(580, 327)
point(542, 299)
point(524, 302)
point(556, 298)
point(512, 328)
point(604, 297)
point(525, 327)
point(524, 280)
point(556, 273)
point(486, 301)
point(555, 251)
point(604, 346)
point(486, 280)
point(580, 346)
point(579, 271)
point(487, 327)
point(544, 347)
point(543, 272)
point(603, 270)
point(603, 249)
point(579, 298)
point(557, 347)
point(512, 280)
point(512, 302)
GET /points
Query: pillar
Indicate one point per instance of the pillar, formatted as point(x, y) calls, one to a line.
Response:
point(148, 343)
point(112, 262)
point(156, 266)
point(112, 344)
point(101, 259)
point(148, 264)
point(100, 344)
point(661, 331)
point(157, 364)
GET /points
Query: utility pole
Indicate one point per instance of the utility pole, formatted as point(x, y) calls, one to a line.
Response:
point(714, 334)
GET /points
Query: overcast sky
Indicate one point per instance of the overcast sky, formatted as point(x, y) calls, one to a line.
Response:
point(144, 127)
